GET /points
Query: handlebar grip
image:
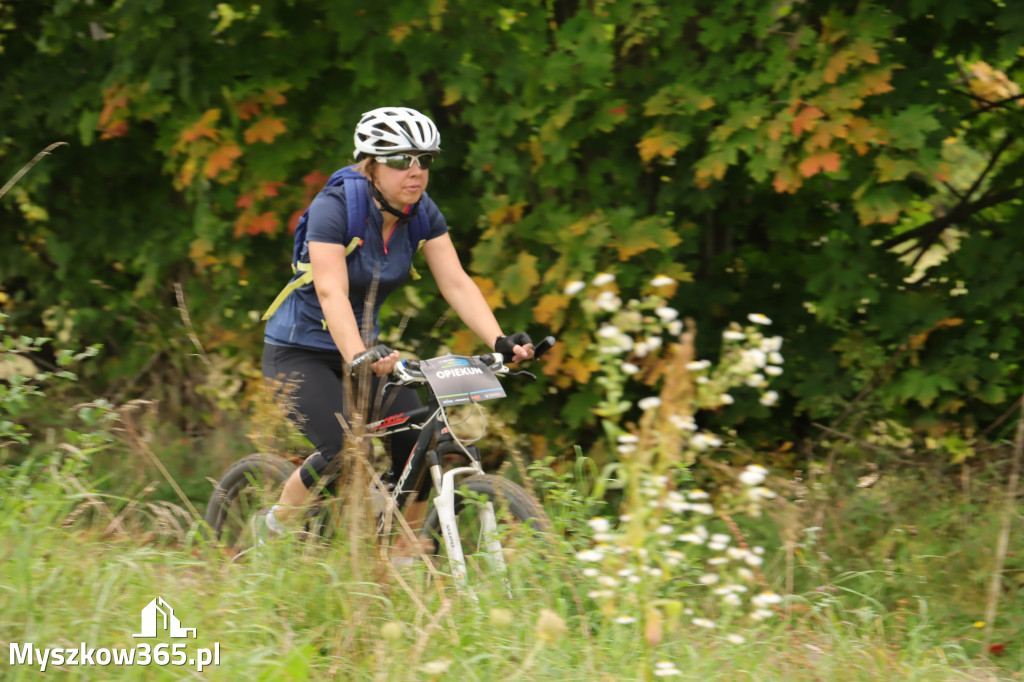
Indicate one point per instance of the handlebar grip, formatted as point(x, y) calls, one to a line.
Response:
point(543, 347)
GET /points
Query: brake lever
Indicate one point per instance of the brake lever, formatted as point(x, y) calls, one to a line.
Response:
point(522, 372)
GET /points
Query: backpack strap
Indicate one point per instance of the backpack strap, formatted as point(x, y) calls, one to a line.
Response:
point(357, 195)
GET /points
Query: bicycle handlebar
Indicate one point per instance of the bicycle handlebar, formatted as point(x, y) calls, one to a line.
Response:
point(409, 372)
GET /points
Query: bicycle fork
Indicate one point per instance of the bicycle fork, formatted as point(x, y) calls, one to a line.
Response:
point(444, 503)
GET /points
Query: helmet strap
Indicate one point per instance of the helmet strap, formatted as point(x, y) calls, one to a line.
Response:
point(385, 206)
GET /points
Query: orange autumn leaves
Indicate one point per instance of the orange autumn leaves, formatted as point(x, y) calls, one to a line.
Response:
point(210, 149)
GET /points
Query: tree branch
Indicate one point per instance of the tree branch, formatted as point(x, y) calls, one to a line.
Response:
point(989, 106)
point(960, 213)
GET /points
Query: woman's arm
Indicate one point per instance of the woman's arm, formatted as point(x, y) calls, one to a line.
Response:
point(330, 278)
point(462, 293)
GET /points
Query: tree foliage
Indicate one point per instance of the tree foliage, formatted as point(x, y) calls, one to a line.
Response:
point(851, 169)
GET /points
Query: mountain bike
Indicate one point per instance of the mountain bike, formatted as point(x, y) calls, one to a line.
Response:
point(472, 512)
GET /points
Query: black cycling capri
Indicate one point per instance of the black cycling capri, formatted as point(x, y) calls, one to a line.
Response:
point(311, 381)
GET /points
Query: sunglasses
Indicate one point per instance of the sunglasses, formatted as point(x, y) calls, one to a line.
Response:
point(404, 161)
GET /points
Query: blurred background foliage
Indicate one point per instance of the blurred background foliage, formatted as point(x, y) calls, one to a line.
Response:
point(852, 170)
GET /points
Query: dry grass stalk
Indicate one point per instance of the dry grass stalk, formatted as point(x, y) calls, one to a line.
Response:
point(1006, 522)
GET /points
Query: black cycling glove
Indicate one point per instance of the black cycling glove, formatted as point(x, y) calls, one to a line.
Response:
point(505, 344)
point(368, 357)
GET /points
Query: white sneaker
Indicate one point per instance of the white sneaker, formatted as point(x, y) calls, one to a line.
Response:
point(262, 533)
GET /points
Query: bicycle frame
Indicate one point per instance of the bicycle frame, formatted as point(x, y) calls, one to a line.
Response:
point(444, 484)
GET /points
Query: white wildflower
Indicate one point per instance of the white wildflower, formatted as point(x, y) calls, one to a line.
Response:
point(574, 287)
point(755, 380)
point(752, 358)
point(699, 441)
point(745, 574)
point(662, 281)
point(698, 365)
point(753, 560)
point(629, 368)
point(665, 669)
point(599, 524)
point(773, 370)
point(708, 579)
point(698, 495)
point(590, 555)
point(664, 529)
point(769, 398)
point(753, 475)
point(758, 318)
point(731, 335)
point(721, 538)
point(625, 620)
point(683, 423)
point(629, 438)
point(726, 399)
point(608, 331)
point(718, 560)
point(765, 599)
point(674, 328)
point(704, 623)
point(761, 614)
point(732, 599)
point(761, 493)
point(649, 403)
point(603, 278)
point(591, 572)
point(735, 639)
point(666, 314)
point(608, 302)
point(626, 448)
point(607, 581)
point(703, 508)
point(436, 667)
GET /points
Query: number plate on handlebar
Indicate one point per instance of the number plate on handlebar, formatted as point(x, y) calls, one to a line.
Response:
point(457, 380)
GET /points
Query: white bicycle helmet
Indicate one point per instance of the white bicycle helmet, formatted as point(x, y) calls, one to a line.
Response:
point(395, 129)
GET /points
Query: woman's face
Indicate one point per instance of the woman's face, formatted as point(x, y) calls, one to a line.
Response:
point(401, 187)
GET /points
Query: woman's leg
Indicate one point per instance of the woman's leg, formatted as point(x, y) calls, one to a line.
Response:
point(309, 385)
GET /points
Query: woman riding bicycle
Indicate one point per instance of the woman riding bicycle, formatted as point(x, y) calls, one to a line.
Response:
point(313, 337)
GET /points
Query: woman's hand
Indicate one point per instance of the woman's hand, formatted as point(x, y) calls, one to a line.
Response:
point(380, 358)
point(515, 347)
point(386, 365)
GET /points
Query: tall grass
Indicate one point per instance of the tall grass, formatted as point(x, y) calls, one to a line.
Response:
point(302, 611)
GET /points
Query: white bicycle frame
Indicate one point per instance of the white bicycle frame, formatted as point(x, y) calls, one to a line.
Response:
point(444, 503)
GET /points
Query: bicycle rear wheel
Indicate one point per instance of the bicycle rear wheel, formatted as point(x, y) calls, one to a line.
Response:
point(250, 484)
point(518, 517)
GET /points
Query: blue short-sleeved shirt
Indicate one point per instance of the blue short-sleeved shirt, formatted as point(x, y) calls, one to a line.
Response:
point(300, 319)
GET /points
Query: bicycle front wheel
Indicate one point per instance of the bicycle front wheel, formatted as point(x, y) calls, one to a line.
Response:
point(518, 517)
